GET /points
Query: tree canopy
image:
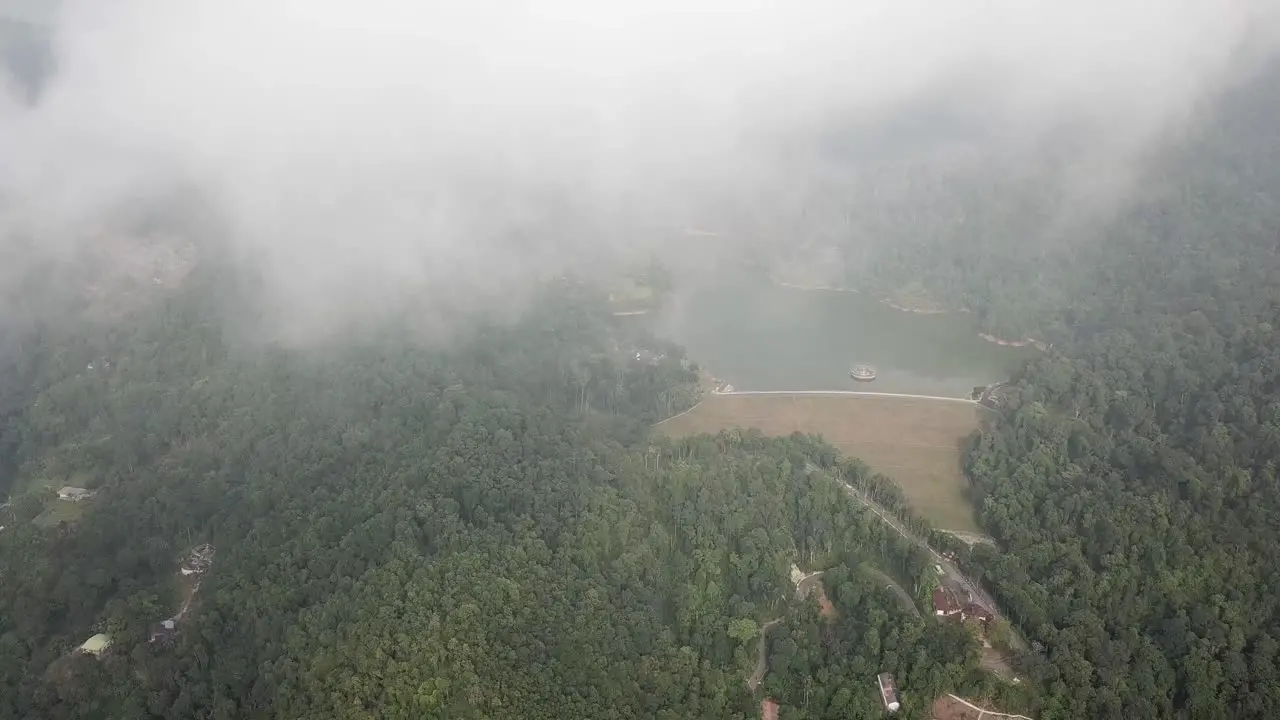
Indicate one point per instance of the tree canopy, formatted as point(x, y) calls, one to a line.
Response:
point(408, 528)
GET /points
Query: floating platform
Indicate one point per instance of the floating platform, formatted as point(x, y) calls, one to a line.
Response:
point(862, 373)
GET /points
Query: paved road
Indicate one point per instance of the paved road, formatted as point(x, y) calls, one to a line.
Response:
point(949, 570)
point(855, 393)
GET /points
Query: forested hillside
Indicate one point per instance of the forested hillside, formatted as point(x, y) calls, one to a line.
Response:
point(410, 528)
point(938, 207)
point(414, 523)
point(1133, 479)
point(934, 223)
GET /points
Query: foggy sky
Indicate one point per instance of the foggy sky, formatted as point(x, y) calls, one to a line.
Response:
point(357, 149)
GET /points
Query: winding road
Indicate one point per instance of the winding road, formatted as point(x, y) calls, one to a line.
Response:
point(762, 659)
point(908, 603)
point(948, 568)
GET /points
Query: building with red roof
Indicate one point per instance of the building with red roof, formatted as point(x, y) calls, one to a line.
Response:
point(945, 603)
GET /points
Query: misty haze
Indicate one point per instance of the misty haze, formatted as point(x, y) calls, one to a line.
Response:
point(639, 359)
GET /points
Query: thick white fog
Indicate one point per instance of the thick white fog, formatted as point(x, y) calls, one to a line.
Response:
point(356, 149)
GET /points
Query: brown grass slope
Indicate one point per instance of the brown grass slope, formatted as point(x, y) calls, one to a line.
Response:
point(916, 442)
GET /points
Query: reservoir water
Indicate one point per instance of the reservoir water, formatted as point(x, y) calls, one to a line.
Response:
point(758, 335)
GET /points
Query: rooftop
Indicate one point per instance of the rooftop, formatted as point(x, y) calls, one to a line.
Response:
point(74, 494)
point(163, 630)
point(974, 610)
point(944, 603)
point(888, 692)
point(96, 644)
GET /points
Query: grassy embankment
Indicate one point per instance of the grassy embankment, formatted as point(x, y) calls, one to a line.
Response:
point(627, 297)
point(916, 442)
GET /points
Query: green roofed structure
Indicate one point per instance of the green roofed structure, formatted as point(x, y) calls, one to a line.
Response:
point(96, 645)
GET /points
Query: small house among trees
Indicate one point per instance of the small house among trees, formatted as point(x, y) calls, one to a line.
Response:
point(945, 603)
point(888, 692)
point(163, 631)
point(199, 561)
point(975, 611)
point(74, 494)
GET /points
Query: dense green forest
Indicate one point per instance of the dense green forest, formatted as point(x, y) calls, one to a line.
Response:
point(482, 525)
point(1132, 482)
point(409, 528)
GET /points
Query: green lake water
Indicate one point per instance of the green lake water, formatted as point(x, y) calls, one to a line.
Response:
point(761, 336)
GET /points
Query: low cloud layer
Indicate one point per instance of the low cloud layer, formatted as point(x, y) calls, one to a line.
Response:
point(358, 150)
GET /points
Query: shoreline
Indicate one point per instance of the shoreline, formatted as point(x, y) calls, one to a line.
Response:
point(881, 300)
point(1025, 342)
point(918, 311)
point(826, 288)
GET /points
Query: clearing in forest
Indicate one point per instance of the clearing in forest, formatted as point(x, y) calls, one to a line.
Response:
point(951, 707)
point(996, 662)
point(915, 441)
point(807, 585)
point(59, 511)
point(825, 608)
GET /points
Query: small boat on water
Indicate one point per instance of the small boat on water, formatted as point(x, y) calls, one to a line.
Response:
point(862, 373)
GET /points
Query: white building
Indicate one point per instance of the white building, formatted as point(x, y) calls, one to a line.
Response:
point(888, 692)
point(74, 494)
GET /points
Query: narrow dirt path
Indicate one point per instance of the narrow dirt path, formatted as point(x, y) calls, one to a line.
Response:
point(804, 586)
point(186, 604)
point(908, 603)
point(679, 414)
point(984, 713)
point(762, 657)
